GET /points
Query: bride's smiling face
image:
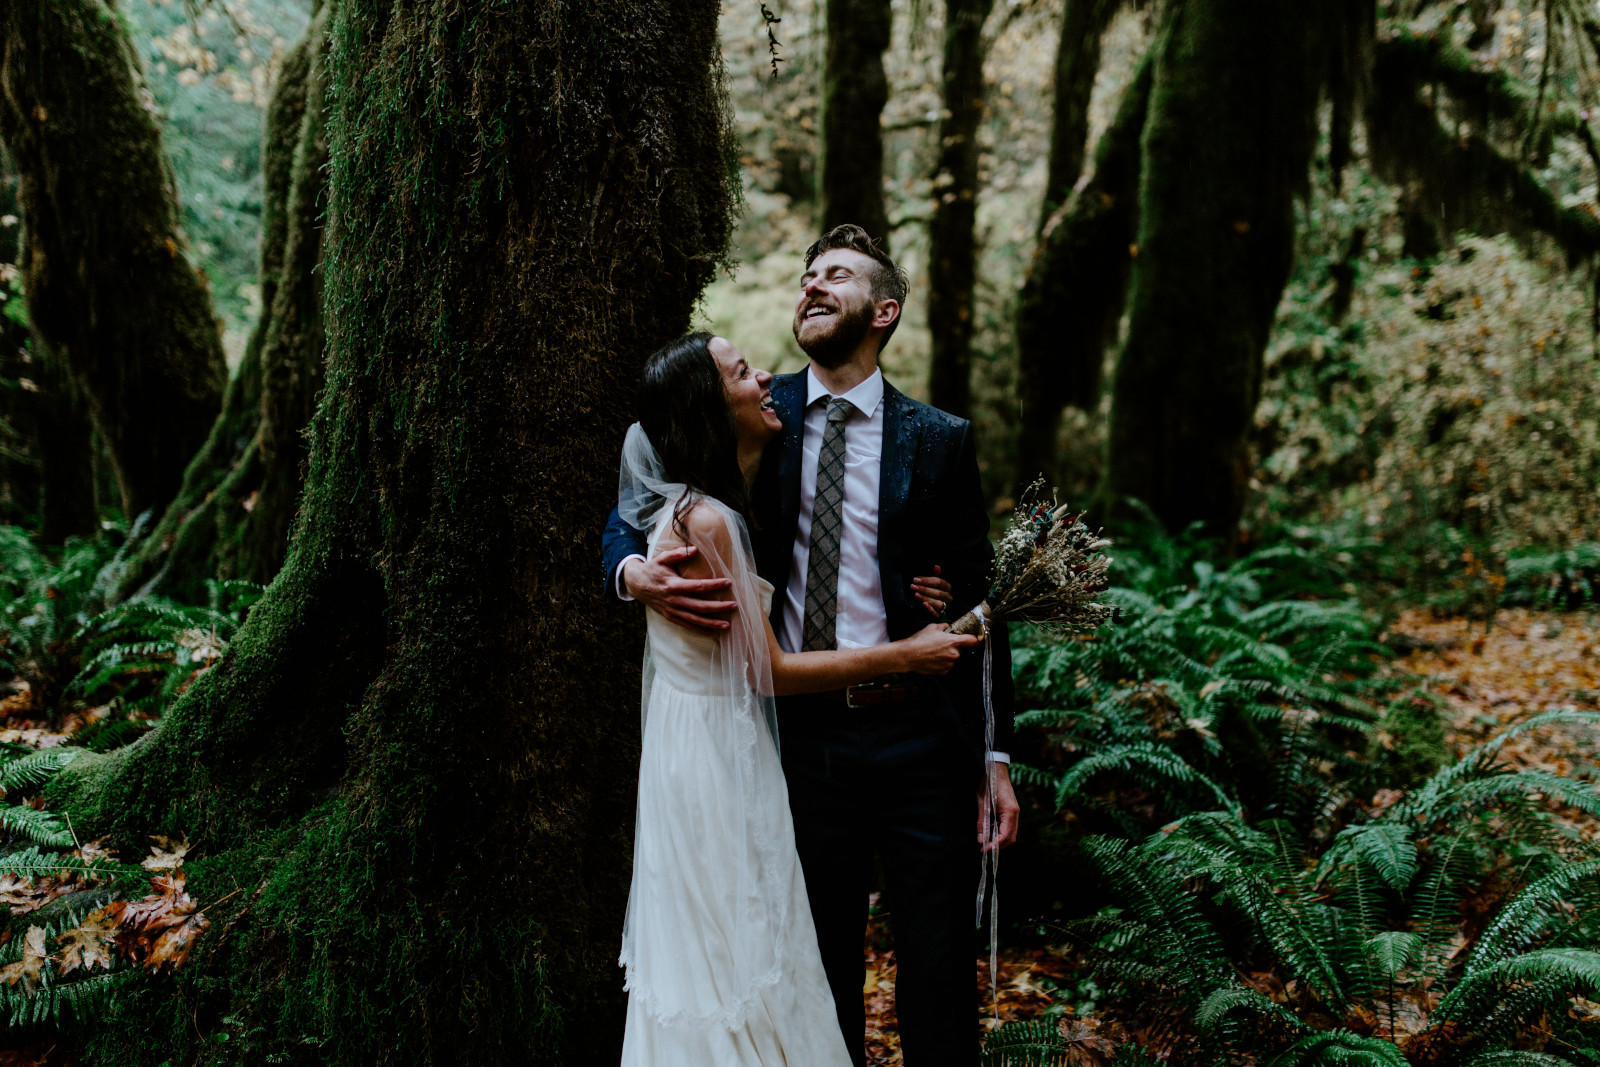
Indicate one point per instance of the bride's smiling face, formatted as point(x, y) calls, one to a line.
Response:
point(749, 399)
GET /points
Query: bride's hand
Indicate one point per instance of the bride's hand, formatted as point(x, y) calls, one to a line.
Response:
point(933, 649)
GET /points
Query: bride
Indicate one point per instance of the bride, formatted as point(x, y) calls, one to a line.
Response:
point(719, 947)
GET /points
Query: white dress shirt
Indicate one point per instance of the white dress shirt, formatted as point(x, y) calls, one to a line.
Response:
point(861, 621)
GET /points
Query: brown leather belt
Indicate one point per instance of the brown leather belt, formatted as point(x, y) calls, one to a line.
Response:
point(890, 689)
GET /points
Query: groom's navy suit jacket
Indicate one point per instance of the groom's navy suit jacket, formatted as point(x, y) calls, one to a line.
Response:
point(931, 512)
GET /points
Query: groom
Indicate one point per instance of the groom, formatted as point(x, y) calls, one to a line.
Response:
point(864, 489)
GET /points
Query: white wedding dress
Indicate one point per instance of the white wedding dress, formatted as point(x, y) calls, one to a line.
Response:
point(721, 954)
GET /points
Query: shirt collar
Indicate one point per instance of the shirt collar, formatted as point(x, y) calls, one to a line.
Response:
point(865, 397)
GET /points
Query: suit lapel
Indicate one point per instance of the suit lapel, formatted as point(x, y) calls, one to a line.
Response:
point(900, 433)
point(789, 398)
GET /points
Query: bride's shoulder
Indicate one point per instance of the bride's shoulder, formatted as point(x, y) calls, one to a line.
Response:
point(705, 519)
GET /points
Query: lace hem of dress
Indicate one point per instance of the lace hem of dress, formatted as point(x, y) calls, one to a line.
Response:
point(733, 1018)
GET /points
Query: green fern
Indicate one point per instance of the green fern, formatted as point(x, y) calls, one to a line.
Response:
point(1026, 1044)
point(33, 770)
point(1340, 1048)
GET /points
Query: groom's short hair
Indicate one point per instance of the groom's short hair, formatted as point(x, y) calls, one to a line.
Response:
point(888, 280)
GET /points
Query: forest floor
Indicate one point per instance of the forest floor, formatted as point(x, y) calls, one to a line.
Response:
point(1491, 677)
point(1522, 664)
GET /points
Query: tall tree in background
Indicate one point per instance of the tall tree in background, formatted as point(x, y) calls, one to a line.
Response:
point(232, 516)
point(953, 253)
point(420, 744)
point(1071, 297)
point(47, 471)
point(853, 94)
point(1226, 146)
point(109, 290)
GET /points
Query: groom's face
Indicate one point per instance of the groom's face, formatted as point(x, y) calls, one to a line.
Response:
point(836, 309)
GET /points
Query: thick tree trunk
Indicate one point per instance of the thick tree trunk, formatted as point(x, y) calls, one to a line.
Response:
point(434, 696)
point(1226, 146)
point(109, 289)
point(1083, 25)
point(1073, 297)
point(232, 517)
point(854, 92)
point(953, 245)
point(65, 443)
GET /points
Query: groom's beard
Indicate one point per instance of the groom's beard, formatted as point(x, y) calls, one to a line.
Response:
point(833, 348)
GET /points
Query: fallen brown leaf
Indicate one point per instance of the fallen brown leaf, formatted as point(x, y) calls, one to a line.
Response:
point(27, 969)
point(89, 943)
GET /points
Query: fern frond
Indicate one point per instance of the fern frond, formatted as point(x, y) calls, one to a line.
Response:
point(1220, 1004)
point(1029, 1043)
point(34, 770)
point(1515, 1058)
point(1340, 1048)
point(43, 827)
point(1527, 915)
point(1152, 765)
point(1551, 970)
point(33, 861)
point(1388, 849)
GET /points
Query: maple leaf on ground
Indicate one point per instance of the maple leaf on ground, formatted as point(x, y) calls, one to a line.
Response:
point(94, 850)
point(27, 969)
point(89, 943)
point(161, 928)
point(27, 894)
point(166, 854)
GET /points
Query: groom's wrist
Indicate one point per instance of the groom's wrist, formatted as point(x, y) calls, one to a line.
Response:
point(621, 585)
point(1000, 757)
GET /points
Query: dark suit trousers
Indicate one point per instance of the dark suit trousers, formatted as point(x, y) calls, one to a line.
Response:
point(891, 781)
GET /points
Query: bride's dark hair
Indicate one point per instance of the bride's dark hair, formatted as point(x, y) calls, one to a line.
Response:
point(683, 409)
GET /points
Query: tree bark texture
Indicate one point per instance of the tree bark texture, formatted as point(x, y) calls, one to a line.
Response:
point(1072, 299)
point(232, 517)
point(953, 251)
point(109, 289)
point(422, 742)
point(854, 92)
point(1226, 146)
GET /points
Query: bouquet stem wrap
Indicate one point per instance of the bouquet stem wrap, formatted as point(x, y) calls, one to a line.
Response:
point(1049, 570)
point(974, 623)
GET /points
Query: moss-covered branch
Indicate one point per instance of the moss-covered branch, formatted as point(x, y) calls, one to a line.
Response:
point(1466, 181)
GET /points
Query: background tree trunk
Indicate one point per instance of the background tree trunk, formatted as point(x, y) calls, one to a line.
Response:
point(1072, 300)
point(853, 94)
point(435, 700)
point(1083, 25)
point(953, 245)
point(108, 287)
point(1226, 146)
point(232, 517)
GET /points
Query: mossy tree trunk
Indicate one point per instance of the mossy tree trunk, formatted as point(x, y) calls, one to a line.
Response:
point(109, 290)
point(434, 701)
point(853, 94)
point(1072, 299)
point(46, 458)
point(231, 518)
point(953, 250)
point(1225, 148)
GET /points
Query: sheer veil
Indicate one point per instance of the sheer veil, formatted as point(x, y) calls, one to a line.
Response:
point(744, 785)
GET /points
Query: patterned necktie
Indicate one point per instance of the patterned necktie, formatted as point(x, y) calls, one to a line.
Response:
point(827, 520)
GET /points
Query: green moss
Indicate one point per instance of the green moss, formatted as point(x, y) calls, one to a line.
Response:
point(1409, 744)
